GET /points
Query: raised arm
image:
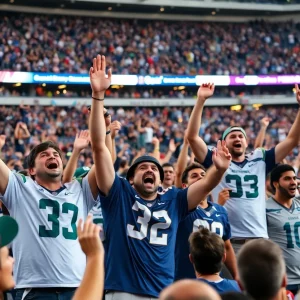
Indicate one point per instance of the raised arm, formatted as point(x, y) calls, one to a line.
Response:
point(198, 191)
point(4, 170)
point(105, 173)
point(171, 150)
point(81, 142)
point(92, 284)
point(197, 145)
point(25, 134)
point(292, 140)
point(181, 162)
point(156, 152)
point(259, 141)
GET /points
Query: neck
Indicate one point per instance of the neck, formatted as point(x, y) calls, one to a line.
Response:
point(50, 185)
point(165, 186)
point(283, 200)
point(204, 204)
point(145, 196)
point(240, 158)
point(211, 277)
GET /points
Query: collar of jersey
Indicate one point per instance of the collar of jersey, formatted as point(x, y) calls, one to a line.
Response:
point(291, 209)
point(56, 191)
point(241, 164)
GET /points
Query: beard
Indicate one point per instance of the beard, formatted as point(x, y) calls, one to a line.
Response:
point(49, 175)
point(238, 153)
point(285, 192)
point(140, 188)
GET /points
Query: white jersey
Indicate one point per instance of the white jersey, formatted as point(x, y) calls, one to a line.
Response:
point(283, 229)
point(46, 250)
point(246, 207)
point(98, 217)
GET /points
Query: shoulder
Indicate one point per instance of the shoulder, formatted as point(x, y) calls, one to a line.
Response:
point(219, 208)
point(258, 153)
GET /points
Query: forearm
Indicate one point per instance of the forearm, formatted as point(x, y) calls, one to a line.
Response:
point(156, 153)
point(295, 129)
point(92, 284)
point(114, 151)
point(212, 178)
point(97, 122)
point(259, 141)
point(71, 166)
point(181, 164)
point(195, 120)
point(108, 141)
point(230, 261)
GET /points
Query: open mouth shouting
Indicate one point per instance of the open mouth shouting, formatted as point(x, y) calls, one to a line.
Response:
point(52, 164)
point(237, 145)
point(148, 180)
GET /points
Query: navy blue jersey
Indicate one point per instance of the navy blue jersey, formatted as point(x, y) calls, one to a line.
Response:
point(222, 286)
point(140, 238)
point(215, 218)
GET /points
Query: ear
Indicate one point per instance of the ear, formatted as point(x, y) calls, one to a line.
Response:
point(284, 281)
point(184, 185)
point(32, 171)
point(275, 183)
point(224, 257)
point(191, 259)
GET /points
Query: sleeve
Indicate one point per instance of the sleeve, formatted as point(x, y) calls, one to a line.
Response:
point(13, 192)
point(227, 229)
point(208, 159)
point(114, 196)
point(269, 156)
point(88, 196)
point(182, 203)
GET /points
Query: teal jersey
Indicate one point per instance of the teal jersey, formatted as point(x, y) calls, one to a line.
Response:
point(284, 230)
point(46, 250)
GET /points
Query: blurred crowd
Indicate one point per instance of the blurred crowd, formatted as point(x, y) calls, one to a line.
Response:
point(139, 127)
point(65, 44)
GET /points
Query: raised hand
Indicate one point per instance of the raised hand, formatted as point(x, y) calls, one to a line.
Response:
point(205, 91)
point(172, 146)
point(107, 118)
point(82, 140)
point(115, 127)
point(155, 142)
point(2, 140)
point(224, 195)
point(89, 237)
point(264, 122)
point(221, 156)
point(297, 93)
point(99, 81)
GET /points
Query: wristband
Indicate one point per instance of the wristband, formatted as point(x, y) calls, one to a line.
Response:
point(107, 132)
point(99, 99)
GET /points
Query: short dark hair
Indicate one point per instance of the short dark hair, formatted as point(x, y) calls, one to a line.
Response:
point(235, 296)
point(277, 172)
point(167, 165)
point(261, 268)
point(185, 174)
point(207, 250)
point(40, 148)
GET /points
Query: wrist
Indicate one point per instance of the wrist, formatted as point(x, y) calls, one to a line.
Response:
point(107, 132)
point(99, 95)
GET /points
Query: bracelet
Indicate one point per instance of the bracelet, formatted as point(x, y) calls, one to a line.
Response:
point(99, 99)
point(156, 149)
point(107, 132)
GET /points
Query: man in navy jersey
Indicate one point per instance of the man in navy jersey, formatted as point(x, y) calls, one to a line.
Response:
point(140, 224)
point(207, 214)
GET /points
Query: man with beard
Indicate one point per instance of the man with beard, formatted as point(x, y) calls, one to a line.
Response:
point(283, 220)
point(246, 175)
point(140, 223)
point(48, 257)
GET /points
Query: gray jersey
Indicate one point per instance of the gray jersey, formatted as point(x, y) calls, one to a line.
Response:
point(46, 250)
point(283, 229)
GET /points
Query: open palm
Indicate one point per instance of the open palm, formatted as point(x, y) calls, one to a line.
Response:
point(82, 140)
point(221, 156)
point(205, 91)
point(99, 81)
